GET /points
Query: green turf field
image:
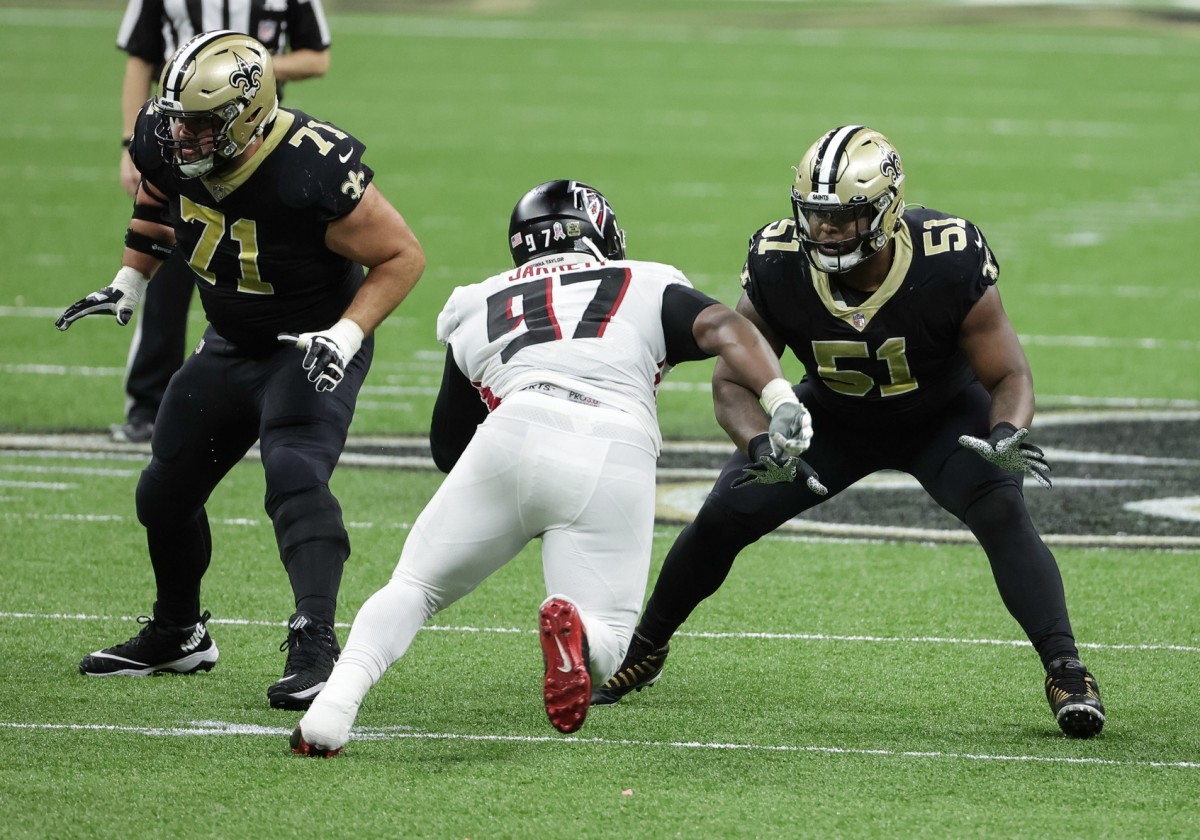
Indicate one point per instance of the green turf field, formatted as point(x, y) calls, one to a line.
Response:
point(857, 675)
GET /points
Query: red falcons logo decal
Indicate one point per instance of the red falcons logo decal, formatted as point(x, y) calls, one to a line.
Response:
point(592, 203)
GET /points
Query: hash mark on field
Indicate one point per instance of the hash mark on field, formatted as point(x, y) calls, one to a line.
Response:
point(213, 727)
point(748, 634)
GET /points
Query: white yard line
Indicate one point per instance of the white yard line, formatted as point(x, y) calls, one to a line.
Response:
point(749, 634)
point(219, 728)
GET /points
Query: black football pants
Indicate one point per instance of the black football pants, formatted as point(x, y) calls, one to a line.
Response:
point(217, 405)
point(988, 500)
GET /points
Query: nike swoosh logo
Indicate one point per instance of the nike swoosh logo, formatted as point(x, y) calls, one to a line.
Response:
point(566, 666)
point(345, 157)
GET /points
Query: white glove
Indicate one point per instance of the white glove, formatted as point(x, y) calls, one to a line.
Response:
point(119, 298)
point(329, 351)
point(790, 429)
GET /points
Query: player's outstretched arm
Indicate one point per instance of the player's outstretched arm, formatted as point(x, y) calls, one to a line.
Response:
point(147, 244)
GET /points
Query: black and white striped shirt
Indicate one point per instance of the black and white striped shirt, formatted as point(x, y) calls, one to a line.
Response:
point(153, 29)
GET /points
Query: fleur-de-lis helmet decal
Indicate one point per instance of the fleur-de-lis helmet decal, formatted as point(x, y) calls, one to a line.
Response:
point(247, 76)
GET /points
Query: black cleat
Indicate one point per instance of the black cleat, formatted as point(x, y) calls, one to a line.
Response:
point(301, 747)
point(159, 648)
point(135, 431)
point(312, 649)
point(642, 667)
point(1074, 698)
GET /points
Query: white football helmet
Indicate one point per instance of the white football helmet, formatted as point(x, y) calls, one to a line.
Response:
point(849, 181)
point(215, 96)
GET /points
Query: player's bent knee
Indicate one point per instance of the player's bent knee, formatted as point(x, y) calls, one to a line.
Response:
point(312, 516)
point(160, 503)
point(291, 470)
point(718, 529)
point(1002, 507)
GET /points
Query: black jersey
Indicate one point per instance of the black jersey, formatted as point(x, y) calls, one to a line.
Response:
point(255, 236)
point(895, 356)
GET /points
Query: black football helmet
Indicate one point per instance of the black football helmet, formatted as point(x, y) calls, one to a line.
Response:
point(560, 216)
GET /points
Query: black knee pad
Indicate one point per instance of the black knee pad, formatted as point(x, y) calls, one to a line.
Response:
point(291, 470)
point(308, 518)
point(159, 504)
point(1001, 508)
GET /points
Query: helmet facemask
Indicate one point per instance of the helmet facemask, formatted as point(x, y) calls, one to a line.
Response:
point(848, 198)
point(217, 95)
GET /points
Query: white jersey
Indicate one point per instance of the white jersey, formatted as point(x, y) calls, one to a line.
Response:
point(593, 327)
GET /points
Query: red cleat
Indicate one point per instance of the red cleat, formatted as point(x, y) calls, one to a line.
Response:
point(567, 688)
point(302, 747)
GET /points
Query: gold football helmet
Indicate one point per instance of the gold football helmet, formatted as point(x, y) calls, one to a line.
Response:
point(848, 182)
point(216, 94)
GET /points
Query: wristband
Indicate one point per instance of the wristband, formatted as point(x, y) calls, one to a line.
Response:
point(348, 335)
point(758, 446)
point(775, 393)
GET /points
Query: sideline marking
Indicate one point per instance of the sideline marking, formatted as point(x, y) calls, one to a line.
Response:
point(216, 727)
point(787, 637)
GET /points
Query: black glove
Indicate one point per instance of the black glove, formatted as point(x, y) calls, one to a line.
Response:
point(120, 298)
point(767, 468)
point(1004, 448)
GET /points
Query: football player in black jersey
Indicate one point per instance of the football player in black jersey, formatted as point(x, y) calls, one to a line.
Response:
point(911, 364)
point(277, 215)
point(296, 33)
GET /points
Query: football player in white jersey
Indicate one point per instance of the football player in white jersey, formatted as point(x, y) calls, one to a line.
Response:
point(546, 424)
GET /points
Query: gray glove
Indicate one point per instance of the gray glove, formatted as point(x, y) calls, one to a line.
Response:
point(790, 431)
point(1004, 447)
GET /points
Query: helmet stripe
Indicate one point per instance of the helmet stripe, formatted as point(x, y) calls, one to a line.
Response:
point(826, 168)
point(173, 84)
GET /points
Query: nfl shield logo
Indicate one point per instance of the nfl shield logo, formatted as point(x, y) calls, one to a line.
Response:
point(859, 320)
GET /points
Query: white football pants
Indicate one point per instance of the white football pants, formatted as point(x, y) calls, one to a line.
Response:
point(578, 476)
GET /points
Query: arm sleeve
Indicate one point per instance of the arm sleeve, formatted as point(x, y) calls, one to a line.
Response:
point(680, 307)
point(457, 413)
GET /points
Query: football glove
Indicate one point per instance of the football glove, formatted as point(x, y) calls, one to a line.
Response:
point(767, 468)
point(1005, 448)
point(790, 429)
point(328, 351)
point(119, 298)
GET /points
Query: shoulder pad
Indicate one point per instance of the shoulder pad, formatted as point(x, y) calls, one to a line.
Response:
point(327, 167)
point(952, 240)
point(774, 251)
point(144, 150)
